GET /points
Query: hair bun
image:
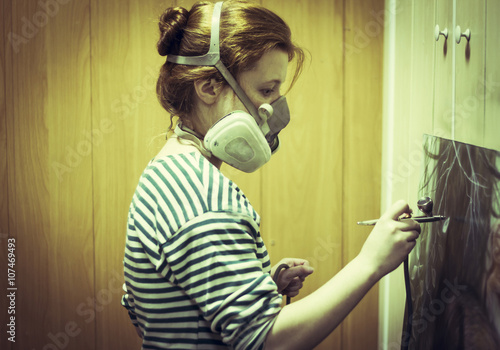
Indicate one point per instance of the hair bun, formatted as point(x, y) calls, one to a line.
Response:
point(172, 23)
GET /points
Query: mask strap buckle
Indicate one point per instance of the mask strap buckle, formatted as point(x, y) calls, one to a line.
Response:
point(213, 55)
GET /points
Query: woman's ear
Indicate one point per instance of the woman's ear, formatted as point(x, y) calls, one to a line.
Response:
point(207, 90)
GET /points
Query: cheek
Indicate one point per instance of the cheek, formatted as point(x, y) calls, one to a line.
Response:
point(257, 99)
point(254, 95)
point(229, 102)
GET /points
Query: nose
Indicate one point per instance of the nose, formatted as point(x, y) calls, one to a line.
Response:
point(276, 99)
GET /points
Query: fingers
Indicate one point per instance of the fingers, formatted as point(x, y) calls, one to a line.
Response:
point(297, 268)
point(293, 288)
point(396, 210)
point(408, 225)
point(408, 230)
point(291, 279)
point(392, 239)
point(291, 262)
point(412, 235)
point(301, 271)
point(412, 238)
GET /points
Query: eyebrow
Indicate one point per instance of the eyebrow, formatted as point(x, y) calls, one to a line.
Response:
point(275, 81)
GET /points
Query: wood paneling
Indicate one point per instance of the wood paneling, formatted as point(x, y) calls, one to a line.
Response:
point(49, 170)
point(362, 139)
point(302, 186)
point(128, 123)
point(4, 192)
point(79, 122)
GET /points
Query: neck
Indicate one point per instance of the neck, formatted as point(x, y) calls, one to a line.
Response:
point(176, 145)
point(216, 162)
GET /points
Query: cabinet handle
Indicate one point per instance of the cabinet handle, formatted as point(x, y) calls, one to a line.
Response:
point(437, 32)
point(459, 34)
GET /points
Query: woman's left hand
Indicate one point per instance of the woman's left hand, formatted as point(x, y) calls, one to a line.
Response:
point(290, 280)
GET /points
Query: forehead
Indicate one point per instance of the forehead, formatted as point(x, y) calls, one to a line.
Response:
point(272, 66)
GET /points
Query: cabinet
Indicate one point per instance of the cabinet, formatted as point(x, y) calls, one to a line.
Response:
point(459, 93)
point(442, 88)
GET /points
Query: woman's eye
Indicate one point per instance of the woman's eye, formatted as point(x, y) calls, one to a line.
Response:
point(267, 92)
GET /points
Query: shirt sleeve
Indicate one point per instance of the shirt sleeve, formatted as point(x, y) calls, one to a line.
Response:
point(217, 259)
point(128, 303)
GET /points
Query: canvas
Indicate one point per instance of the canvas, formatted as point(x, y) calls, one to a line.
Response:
point(454, 269)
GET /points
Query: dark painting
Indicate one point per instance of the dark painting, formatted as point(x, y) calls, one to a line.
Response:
point(455, 268)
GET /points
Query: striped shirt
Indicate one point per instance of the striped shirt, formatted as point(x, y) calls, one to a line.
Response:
point(196, 268)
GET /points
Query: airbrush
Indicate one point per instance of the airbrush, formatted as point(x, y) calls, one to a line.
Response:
point(424, 204)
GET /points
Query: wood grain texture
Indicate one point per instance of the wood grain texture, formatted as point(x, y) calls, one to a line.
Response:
point(4, 191)
point(80, 121)
point(128, 123)
point(51, 215)
point(362, 151)
point(302, 185)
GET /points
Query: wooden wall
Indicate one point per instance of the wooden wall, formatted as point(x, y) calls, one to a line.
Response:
point(79, 121)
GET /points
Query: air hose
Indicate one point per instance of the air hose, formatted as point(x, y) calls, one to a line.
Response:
point(276, 275)
point(405, 342)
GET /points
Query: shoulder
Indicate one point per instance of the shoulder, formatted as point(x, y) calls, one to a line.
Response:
point(177, 188)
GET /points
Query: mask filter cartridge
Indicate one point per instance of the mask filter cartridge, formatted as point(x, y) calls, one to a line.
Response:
point(238, 141)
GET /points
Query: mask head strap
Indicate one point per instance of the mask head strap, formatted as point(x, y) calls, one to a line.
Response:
point(212, 58)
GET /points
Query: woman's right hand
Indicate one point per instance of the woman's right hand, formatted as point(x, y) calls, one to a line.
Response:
point(391, 240)
point(306, 322)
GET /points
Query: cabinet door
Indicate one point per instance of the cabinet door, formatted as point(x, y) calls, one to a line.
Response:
point(492, 77)
point(443, 86)
point(468, 123)
point(422, 84)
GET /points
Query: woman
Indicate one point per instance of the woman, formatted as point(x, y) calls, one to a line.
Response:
point(197, 272)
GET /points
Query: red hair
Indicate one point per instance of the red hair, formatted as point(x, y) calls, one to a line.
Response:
point(247, 31)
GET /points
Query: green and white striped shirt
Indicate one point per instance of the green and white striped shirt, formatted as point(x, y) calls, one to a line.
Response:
point(196, 269)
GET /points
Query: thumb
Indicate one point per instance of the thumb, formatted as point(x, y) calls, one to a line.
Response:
point(398, 208)
point(301, 271)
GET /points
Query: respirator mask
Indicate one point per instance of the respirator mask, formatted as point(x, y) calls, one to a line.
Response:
point(240, 139)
